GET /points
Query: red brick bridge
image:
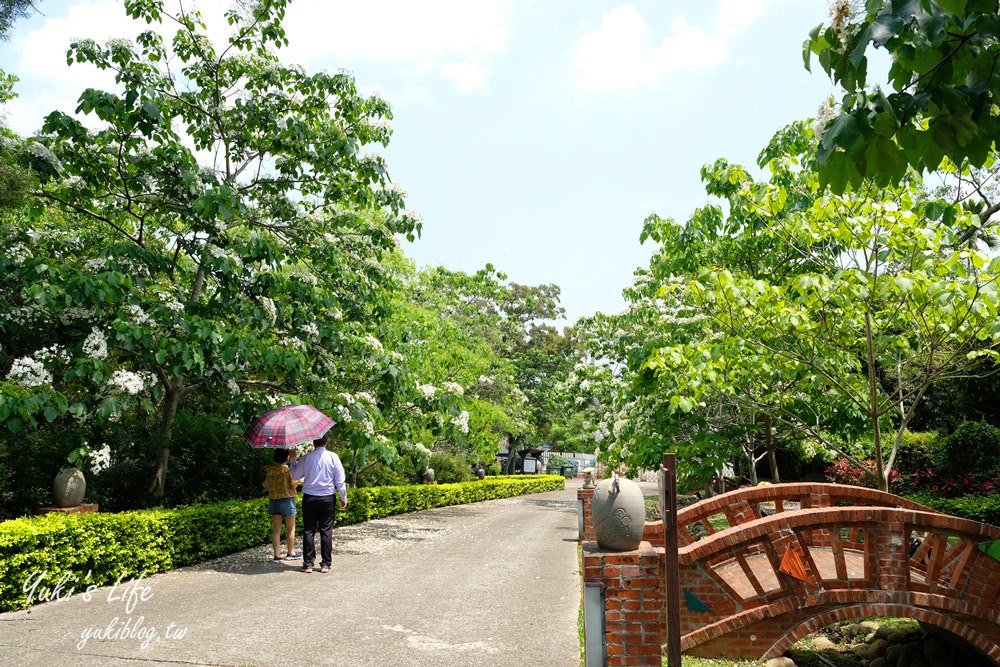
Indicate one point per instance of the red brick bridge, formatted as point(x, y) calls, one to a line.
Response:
point(762, 567)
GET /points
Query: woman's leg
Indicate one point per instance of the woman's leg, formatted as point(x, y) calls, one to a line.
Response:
point(290, 533)
point(276, 533)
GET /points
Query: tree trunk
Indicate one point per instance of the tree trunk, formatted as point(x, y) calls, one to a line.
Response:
point(171, 400)
point(511, 466)
point(752, 465)
point(174, 391)
point(772, 457)
point(880, 478)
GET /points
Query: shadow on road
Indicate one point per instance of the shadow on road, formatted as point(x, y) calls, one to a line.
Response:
point(558, 505)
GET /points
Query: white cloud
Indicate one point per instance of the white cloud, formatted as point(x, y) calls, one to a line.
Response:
point(49, 84)
point(451, 40)
point(454, 39)
point(467, 77)
point(619, 54)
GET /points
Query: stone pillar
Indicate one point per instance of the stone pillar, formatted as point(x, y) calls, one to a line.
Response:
point(634, 617)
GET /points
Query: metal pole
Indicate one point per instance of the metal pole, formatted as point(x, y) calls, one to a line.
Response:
point(668, 505)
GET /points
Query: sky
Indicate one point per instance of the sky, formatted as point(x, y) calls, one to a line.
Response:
point(535, 135)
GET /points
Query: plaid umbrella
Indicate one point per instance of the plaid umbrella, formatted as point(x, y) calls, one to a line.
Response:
point(287, 427)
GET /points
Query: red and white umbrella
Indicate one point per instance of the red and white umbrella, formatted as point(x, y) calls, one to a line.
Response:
point(287, 427)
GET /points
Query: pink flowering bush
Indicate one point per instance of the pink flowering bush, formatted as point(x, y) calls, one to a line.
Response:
point(842, 471)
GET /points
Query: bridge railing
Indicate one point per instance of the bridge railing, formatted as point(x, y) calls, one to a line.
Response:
point(865, 549)
point(750, 504)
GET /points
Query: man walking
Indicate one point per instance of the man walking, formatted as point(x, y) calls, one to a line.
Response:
point(323, 475)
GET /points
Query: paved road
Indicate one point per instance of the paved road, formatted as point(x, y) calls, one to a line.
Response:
point(494, 583)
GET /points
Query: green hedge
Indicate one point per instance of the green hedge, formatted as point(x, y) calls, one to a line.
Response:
point(984, 509)
point(99, 549)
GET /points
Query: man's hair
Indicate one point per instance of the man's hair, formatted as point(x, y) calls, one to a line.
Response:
point(280, 455)
point(320, 441)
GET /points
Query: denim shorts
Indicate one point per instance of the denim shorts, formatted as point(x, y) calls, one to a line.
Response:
point(282, 506)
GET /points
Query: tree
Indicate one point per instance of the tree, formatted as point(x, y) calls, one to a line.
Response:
point(944, 88)
point(219, 231)
point(12, 11)
point(447, 325)
point(15, 177)
point(893, 300)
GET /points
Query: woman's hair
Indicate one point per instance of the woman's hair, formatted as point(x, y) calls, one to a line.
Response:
point(280, 455)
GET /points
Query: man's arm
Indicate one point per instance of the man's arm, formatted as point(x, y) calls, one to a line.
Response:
point(339, 480)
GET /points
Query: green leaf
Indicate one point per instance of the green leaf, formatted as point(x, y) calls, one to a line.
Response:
point(839, 172)
point(956, 7)
point(842, 132)
point(884, 161)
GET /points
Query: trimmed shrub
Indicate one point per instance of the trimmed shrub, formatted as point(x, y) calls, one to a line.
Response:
point(81, 550)
point(450, 468)
point(973, 449)
point(985, 509)
point(917, 451)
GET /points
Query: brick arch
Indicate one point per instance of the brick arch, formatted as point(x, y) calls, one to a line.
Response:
point(850, 555)
point(832, 606)
point(854, 558)
point(941, 620)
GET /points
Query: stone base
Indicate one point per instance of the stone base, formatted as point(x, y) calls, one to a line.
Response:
point(75, 509)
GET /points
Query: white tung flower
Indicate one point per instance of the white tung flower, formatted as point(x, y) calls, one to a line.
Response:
point(827, 111)
point(344, 413)
point(139, 315)
point(120, 43)
point(311, 330)
point(454, 388)
point(18, 254)
point(43, 153)
point(29, 372)
point(428, 390)
point(129, 382)
point(293, 342)
point(53, 353)
point(101, 459)
point(269, 310)
point(373, 342)
point(233, 387)
point(95, 345)
point(462, 421)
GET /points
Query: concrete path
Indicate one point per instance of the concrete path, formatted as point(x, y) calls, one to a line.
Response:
point(494, 583)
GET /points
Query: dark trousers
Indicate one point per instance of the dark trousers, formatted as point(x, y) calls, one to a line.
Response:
point(317, 512)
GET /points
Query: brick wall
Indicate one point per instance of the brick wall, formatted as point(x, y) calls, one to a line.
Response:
point(633, 601)
point(586, 497)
